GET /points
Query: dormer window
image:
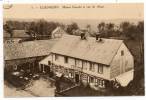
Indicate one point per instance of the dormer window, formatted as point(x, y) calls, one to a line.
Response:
point(122, 53)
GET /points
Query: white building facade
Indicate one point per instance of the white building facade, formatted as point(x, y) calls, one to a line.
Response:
point(89, 61)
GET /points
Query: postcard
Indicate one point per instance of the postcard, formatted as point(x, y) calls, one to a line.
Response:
point(73, 50)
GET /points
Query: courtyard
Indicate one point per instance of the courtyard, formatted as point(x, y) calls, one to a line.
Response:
point(33, 85)
point(35, 88)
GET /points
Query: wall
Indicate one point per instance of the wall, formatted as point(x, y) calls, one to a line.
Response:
point(121, 64)
point(10, 64)
point(71, 64)
point(104, 75)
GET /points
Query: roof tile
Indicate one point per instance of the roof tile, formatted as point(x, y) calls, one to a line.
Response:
point(90, 50)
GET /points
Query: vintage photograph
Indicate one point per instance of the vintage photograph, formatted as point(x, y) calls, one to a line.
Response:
point(73, 50)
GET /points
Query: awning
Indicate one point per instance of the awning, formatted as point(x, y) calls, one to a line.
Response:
point(125, 78)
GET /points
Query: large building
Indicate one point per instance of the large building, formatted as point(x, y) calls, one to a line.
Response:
point(93, 61)
point(25, 55)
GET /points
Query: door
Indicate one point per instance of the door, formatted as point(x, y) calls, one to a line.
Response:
point(77, 78)
point(46, 68)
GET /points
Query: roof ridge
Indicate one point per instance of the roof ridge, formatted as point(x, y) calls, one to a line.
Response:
point(90, 37)
point(100, 52)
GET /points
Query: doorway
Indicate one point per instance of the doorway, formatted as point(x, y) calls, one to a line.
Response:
point(77, 78)
point(46, 68)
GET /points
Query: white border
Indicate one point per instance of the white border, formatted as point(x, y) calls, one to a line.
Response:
point(58, 1)
point(72, 1)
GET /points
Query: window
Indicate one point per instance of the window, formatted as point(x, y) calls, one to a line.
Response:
point(65, 59)
point(91, 79)
point(71, 75)
point(122, 53)
point(92, 68)
point(66, 72)
point(59, 69)
point(49, 62)
point(84, 76)
point(84, 65)
point(97, 82)
point(56, 57)
point(77, 62)
point(56, 69)
point(102, 83)
point(100, 68)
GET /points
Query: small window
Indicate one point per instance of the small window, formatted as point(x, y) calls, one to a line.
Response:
point(100, 69)
point(56, 69)
point(84, 76)
point(71, 75)
point(85, 65)
point(92, 68)
point(122, 53)
point(91, 79)
point(77, 62)
point(49, 62)
point(56, 57)
point(102, 83)
point(65, 59)
point(66, 72)
point(96, 81)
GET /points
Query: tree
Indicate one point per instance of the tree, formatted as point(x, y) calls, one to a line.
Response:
point(140, 38)
point(109, 29)
point(18, 25)
point(101, 27)
point(106, 29)
point(31, 29)
point(124, 28)
point(9, 29)
point(135, 32)
point(41, 28)
point(110, 26)
point(72, 27)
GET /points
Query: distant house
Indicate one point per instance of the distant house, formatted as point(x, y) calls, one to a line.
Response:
point(21, 34)
point(93, 61)
point(26, 55)
point(58, 32)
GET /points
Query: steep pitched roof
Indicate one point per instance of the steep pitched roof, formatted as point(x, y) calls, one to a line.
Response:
point(58, 30)
point(90, 50)
point(27, 49)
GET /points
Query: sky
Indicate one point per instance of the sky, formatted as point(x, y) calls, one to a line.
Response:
point(101, 11)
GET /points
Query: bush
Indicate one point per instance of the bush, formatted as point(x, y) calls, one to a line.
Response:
point(51, 74)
